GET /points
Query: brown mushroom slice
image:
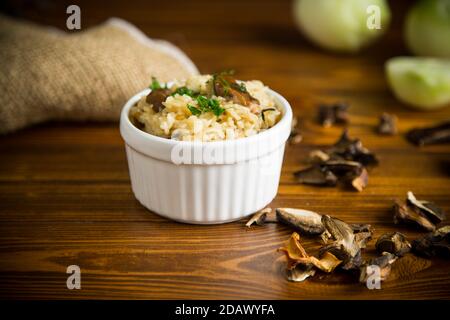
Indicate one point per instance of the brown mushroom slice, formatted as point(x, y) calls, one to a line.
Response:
point(384, 262)
point(261, 217)
point(362, 238)
point(430, 135)
point(297, 256)
point(343, 167)
point(361, 227)
point(434, 244)
point(316, 175)
point(225, 85)
point(344, 246)
point(394, 243)
point(327, 262)
point(318, 156)
point(387, 124)
point(300, 273)
point(361, 180)
point(406, 214)
point(156, 98)
point(362, 233)
point(329, 115)
point(305, 221)
point(352, 149)
point(350, 261)
point(351, 172)
point(429, 209)
point(338, 229)
point(295, 252)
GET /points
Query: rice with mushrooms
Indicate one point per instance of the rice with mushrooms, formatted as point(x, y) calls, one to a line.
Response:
point(206, 108)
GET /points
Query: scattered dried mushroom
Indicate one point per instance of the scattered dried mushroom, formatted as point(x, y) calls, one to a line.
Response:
point(417, 212)
point(304, 221)
point(384, 262)
point(394, 243)
point(346, 162)
point(430, 135)
point(387, 124)
point(261, 217)
point(331, 114)
point(301, 265)
point(343, 242)
point(434, 244)
point(343, 162)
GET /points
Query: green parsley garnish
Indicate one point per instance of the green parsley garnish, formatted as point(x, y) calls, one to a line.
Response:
point(194, 110)
point(184, 91)
point(240, 87)
point(206, 105)
point(155, 84)
point(227, 82)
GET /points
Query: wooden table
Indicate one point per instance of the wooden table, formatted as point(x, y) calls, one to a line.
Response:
point(65, 194)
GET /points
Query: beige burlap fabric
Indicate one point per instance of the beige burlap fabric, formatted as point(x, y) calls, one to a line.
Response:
point(46, 74)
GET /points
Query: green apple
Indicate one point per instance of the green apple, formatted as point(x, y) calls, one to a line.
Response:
point(342, 25)
point(423, 83)
point(427, 28)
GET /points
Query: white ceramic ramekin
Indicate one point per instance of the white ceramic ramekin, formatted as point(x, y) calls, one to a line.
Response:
point(224, 181)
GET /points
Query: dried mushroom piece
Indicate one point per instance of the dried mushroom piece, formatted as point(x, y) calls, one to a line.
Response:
point(225, 85)
point(316, 175)
point(350, 172)
point(261, 217)
point(407, 214)
point(295, 137)
point(383, 262)
point(352, 149)
point(318, 156)
point(349, 261)
point(329, 115)
point(387, 124)
point(345, 245)
point(342, 167)
point(328, 262)
point(362, 238)
point(301, 273)
point(361, 227)
point(394, 243)
point(363, 234)
point(295, 253)
point(156, 98)
point(434, 244)
point(419, 212)
point(361, 180)
point(330, 172)
point(429, 209)
point(300, 263)
point(339, 230)
point(344, 162)
point(305, 221)
point(430, 135)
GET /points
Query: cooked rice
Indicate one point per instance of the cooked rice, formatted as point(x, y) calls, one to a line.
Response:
point(177, 122)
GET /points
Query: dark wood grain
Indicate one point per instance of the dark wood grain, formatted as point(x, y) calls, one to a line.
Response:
point(65, 194)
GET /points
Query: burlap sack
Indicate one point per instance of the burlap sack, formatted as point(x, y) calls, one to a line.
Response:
point(47, 74)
